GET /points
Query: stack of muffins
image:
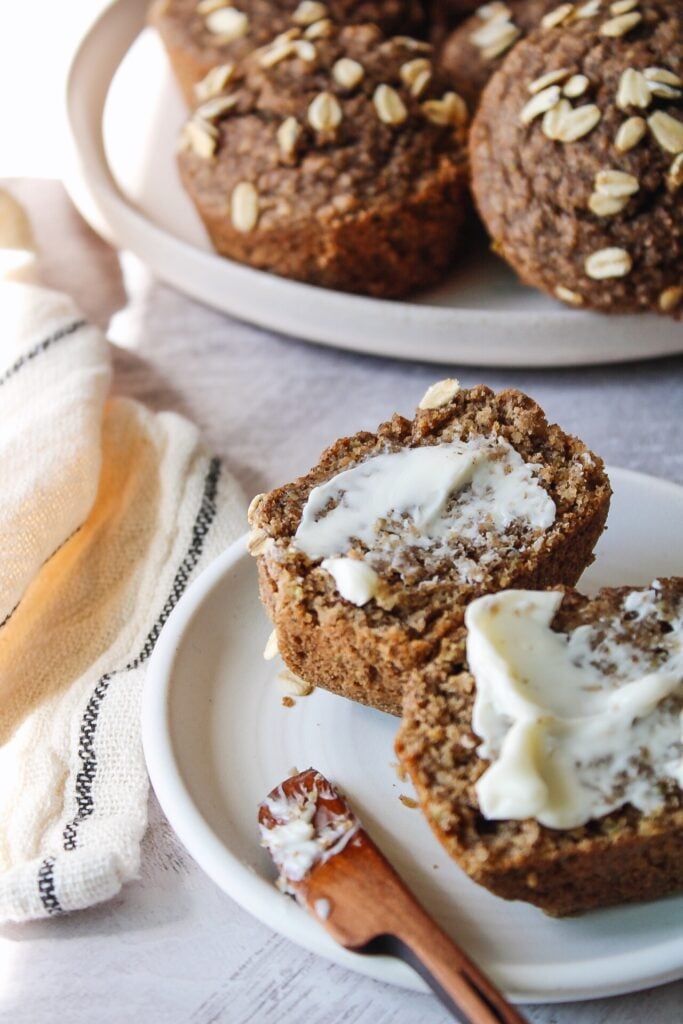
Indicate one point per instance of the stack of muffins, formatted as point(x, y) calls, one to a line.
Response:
point(325, 147)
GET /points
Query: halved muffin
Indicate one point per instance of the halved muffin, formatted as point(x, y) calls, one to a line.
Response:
point(368, 562)
point(550, 766)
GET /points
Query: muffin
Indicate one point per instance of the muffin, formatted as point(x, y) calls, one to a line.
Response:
point(367, 563)
point(577, 161)
point(201, 35)
point(479, 45)
point(550, 766)
point(338, 161)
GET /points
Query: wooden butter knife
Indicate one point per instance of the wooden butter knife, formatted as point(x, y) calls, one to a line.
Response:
point(331, 866)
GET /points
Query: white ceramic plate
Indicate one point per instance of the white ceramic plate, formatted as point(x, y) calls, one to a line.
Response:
point(217, 739)
point(122, 177)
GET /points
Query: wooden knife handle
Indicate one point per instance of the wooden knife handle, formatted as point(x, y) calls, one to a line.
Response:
point(446, 968)
point(373, 911)
point(456, 981)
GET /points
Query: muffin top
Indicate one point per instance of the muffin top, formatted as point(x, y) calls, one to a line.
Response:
point(219, 30)
point(323, 126)
point(577, 155)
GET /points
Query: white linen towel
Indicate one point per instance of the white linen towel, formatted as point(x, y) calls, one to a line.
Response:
point(107, 513)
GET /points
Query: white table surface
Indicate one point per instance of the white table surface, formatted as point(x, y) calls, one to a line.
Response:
point(172, 948)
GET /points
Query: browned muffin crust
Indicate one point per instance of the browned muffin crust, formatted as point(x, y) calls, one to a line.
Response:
point(622, 857)
point(339, 162)
point(193, 49)
point(584, 201)
point(479, 45)
point(364, 653)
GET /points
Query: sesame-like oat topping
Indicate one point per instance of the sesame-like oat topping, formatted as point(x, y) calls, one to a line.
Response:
point(416, 74)
point(620, 25)
point(576, 86)
point(630, 134)
point(389, 106)
point(200, 137)
point(451, 109)
point(325, 112)
point(634, 90)
point(288, 135)
point(244, 214)
point(549, 78)
point(557, 16)
point(227, 23)
point(564, 123)
point(674, 178)
point(569, 296)
point(498, 32)
point(671, 298)
point(607, 263)
point(214, 82)
point(215, 108)
point(308, 12)
point(322, 29)
point(539, 104)
point(622, 6)
point(611, 192)
point(348, 73)
point(667, 130)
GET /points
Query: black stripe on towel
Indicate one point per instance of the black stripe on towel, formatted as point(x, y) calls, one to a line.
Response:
point(42, 346)
point(86, 746)
point(46, 886)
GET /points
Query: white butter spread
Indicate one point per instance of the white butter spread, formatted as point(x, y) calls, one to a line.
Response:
point(575, 725)
point(356, 580)
point(301, 838)
point(432, 497)
point(641, 602)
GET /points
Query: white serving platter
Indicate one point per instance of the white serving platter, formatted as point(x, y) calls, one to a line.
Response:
point(124, 112)
point(217, 739)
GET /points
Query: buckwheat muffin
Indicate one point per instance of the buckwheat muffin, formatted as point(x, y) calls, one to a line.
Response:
point(577, 156)
point(202, 35)
point(563, 789)
point(338, 161)
point(367, 563)
point(479, 45)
